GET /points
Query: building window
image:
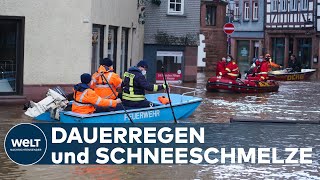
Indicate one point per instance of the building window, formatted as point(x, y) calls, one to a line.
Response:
point(294, 5)
point(304, 4)
point(283, 5)
point(124, 50)
point(236, 12)
point(211, 15)
point(112, 45)
point(172, 61)
point(175, 7)
point(274, 5)
point(255, 10)
point(246, 11)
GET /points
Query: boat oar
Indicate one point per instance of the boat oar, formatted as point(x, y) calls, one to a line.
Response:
point(116, 96)
point(167, 89)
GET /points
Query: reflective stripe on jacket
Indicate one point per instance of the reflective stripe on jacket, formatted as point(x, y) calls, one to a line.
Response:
point(134, 85)
point(85, 100)
point(231, 71)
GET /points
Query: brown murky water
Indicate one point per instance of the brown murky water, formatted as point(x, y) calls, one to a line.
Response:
point(294, 101)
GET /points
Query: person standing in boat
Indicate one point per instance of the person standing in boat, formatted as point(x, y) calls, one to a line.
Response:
point(221, 65)
point(294, 64)
point(87, 101)
point(271, 64)
point(134, 85)
point(263, 70)
point(231, 70)
point(99, 84)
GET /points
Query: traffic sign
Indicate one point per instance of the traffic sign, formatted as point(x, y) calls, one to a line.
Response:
point(228, 28)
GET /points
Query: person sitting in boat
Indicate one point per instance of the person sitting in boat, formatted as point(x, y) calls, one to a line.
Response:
point(255, 66)
point(271, 63)
point(294, 64)
point(105, 73)
point(87, 101)
point(221, 65)
point(134, 85)
point(232, 70)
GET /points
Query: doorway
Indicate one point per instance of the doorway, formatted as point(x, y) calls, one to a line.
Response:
point(304, 52)
point(11, 55)
point(243, 48)
point(278, 47)
point(97, 46)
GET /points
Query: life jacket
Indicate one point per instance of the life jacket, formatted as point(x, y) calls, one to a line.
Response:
point(85, 100)
point(101, 87)
point(163, 100)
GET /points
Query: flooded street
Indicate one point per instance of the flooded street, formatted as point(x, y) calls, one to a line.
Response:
point(294, 101)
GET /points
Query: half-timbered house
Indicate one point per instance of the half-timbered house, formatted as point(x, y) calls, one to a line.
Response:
point(290, 28)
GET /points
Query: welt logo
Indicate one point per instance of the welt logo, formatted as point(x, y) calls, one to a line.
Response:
point(25, 143)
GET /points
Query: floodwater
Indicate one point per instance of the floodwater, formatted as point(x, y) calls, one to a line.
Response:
point(294, 101)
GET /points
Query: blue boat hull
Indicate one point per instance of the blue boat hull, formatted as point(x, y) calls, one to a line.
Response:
point(183, 107)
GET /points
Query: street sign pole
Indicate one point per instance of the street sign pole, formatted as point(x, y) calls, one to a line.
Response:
point(228, 28)
point(229, 44)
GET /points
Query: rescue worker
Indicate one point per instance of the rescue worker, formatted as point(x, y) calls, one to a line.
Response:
point(99, 84)
point(134, 85)
point(221, 65)
point(294, 64)
point(263, 70)
point(86, 101)
point(232, 70)
point(271, 64)
point(255, 66)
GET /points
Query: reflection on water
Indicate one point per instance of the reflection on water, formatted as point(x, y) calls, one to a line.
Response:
point(294, 101)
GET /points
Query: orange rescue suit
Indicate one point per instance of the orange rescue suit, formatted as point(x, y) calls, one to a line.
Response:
point(231, 71)
point(101, 87)
point(85, 99)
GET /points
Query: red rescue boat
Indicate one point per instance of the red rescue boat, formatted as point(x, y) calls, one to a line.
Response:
point(241, 86)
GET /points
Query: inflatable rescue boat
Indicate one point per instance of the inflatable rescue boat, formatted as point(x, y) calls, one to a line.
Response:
point(221, 84)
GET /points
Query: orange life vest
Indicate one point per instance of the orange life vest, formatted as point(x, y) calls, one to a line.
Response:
point(163, 100)
point(84, 101)
point(101, 87)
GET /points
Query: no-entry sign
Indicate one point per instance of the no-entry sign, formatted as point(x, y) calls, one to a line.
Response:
point(228, 28)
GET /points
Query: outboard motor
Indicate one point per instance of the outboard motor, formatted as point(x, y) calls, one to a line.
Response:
point(55, 102)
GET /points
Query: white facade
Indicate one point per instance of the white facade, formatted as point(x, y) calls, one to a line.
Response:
point(289, 13)
point(58, 35)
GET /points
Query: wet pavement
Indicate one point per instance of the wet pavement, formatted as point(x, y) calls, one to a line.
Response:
point(294, 101)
